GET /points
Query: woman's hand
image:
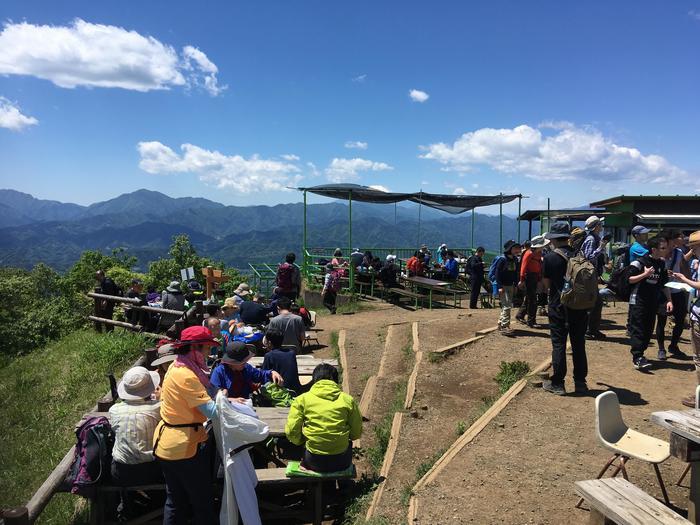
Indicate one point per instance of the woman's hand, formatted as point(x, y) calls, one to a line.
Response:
point(239, 400)
point(276, 378)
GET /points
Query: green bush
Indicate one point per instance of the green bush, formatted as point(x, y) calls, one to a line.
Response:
point(510, 373)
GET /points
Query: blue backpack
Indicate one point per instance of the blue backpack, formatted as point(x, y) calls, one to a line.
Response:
point(492, 268)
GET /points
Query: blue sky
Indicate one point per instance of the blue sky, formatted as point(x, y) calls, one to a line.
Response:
point(573, 101)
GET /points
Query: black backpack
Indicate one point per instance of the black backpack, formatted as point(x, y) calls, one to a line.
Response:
point(619, 283)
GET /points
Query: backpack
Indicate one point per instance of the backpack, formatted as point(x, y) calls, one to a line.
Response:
point(334, 282)
point(285, 277)
point(619, 283)
point(492, 268)
point(580, 283)
point(93, 456)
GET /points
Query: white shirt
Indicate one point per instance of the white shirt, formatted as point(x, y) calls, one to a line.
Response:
point(134, 423)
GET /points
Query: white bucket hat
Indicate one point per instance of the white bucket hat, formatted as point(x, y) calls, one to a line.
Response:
point(538, 241)
point(137, 383)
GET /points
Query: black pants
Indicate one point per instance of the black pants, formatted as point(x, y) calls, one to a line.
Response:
point(641, 326)
point(476, 291)
point(291, 295)
point(321, 463)
point(329, 300)
point(188, 488)
point(680, 311)
point(529, 306)
point(595, 316)
point(565, 322)
point(138, 474)
point(106, 311)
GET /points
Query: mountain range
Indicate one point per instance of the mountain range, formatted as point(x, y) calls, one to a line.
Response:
point(35, 230)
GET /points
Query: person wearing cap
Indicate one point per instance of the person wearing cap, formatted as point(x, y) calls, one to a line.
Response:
point(255, 312)
point(506, 280)
point(240, 293)
point(238, 377)
point(179, 440)
point(593, 250)
point(389, 272)
point(230, 311)
point(172, 298)
point(564, 322)
point(425, 255)
point(134, 421)
point(325, 420)
point(530, 277)
point(639, 248)
point(475, 268)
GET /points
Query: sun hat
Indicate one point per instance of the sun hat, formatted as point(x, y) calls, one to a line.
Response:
point(509, 245)
point(559, 230)
point(197, 335)
point(338, 252)
point(237, 352)
point(694, 239)
point(174, 286)
point(194, 285)
point(390, 258)
point(166, 353)
point(640, 230)
point(243, 289)
point(538, 241)
point(137, 383)
point(593, 221)
point(443, 245)
point(229, 304)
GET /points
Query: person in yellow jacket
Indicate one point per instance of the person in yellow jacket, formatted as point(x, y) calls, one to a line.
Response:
point(179, 439)
point(325, 420)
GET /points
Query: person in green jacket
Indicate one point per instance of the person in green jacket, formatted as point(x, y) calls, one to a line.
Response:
point(325, 420)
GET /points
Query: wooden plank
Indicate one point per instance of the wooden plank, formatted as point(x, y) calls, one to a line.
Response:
point(386, 464)
point(413, 510)
point(344, 361)
point(451, 349)
point(625, 503)
point(390, 336)
point(684, 449)
point(487, 330)
point(413, 378)
point(683, 422)
point(367, 396)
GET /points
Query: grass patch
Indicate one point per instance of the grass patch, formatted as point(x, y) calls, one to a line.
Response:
point(382, 430)
point(461, 427)
point(359, 500)
point(510, 373)
point(421, 470)
point(434, 357)
point(336, 354)
point(407, 350)
point(44, 394)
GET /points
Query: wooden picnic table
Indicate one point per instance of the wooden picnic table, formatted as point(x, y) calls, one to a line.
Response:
point(429, 284)
point(305, 365)
point(685, 445)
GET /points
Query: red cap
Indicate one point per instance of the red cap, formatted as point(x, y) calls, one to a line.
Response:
point(197, 334)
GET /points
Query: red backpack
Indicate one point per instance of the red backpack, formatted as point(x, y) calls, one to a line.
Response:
point(285, 277)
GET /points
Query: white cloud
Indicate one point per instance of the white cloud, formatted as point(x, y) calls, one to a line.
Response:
point(223, 171)
point(379, 187)
point(314, 172)
point(418, 96)
point(12, 118)
point(459, 191)
point(356, 144)
point(290, 157)
point(341, 170)
point(359, 78)
point(568, 153)
point(97, 55)
point(475, 185)
point(694, 13)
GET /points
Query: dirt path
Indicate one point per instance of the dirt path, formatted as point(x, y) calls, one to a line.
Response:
point(522, 467)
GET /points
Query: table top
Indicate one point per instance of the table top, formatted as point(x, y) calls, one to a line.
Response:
point(275, 418)
point(685, 423)
point(427, 281)
point(305, 364)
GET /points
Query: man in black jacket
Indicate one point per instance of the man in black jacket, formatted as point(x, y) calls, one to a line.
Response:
point(476, 275)
point(105, 308)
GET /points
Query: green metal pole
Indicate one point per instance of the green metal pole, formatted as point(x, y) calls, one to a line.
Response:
point(304, 258)
point(420, 204)
point(352, 273)
point(520, 203)
point(473, 218)
point(500, 207)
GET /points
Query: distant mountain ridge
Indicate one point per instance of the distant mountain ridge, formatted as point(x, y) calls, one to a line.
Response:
point(144, 222)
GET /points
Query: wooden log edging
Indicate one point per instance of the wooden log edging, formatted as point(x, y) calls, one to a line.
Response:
point(486, 331)
point(466, 438)
point(456, 347)
point(413, 378)
point(386, 464)
point(344, 362)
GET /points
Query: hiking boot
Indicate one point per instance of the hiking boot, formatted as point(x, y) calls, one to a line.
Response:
point(507, 331)
point(535, 326)
point(641, 363)
point(554, 389)
point(688, 401)
point(677, 352)
point(595, 335)
point(521, 320)
point(580, 387)
point(661, 356)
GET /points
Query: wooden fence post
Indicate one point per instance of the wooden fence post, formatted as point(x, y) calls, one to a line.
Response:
point(151, 355)
point(179, 326)
point(98, 310)
point(16, 516)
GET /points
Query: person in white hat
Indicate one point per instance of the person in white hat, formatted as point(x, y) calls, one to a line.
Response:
point(240, 293)
point(530, 277)
point(134, 420)
point(593, 249)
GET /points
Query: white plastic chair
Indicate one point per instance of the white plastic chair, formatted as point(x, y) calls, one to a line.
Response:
point(625, 442)
point(697, 406)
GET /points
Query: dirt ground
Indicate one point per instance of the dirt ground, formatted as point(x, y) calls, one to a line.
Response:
point(522, 467)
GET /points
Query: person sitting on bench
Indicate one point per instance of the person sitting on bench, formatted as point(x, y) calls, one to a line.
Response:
point(282, 360)
point(325, 420)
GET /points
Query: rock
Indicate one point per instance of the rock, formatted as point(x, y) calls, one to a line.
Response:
point(500, 425)
point(414, 413)
point(424, 407)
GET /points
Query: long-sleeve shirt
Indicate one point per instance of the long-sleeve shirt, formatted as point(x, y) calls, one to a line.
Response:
point(452, 268)
point(592, 247)
point(134, 423)
point(476, 268)
point(507, 271)
point(531, 263)
point(239, 383)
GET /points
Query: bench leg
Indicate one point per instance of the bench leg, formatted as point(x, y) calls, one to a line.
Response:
point(318, 503)
point(596, 518)
point(600, 474)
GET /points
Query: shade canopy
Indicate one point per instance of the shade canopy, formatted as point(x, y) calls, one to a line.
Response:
point(453, 204)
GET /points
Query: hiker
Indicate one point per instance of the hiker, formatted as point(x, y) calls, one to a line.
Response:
point(282, 360)
point(171, 299)
point(213, 324)
point(648, 277)
point(132, 315)
point(255, 312)
point(693, 282)
point(356, 258)
point(389, 272)
point(475, 269)
point(134, 421)
point(563, 321)
point(229, 312)
point(415, 265)
point(451, 268)
point(639, 247)
point(676, 263)
point(331, 287)
point(179, 441)
point(302, 312)
point(530, 277)
point(241, 292)
point(425, 255)
point(238, 377)
point(442, 254)
point(506, 277)
point(195, 292)
point(338, 260)
point(288, 278)
point(292, 326)
point(106, 308)
point(593, 250)
point(164, 358)
point(325, 420)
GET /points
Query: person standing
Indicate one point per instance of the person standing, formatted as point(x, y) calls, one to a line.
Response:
point(564, 322)
point(648, 277)
point(674, 264)
point(530, 277)
point(506, 279)
point(106, 308)
point(639, 247)
point(288, 278)
point(476, 275)
point(179, 441)
point(331, 287)
point(593, 250)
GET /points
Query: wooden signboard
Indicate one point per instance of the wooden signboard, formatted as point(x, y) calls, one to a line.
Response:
point(214, 279)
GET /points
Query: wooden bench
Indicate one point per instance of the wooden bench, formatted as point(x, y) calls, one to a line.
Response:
point(616, 500)
point(407, 293)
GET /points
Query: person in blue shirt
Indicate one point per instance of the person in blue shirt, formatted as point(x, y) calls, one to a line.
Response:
point(282, 360)
point(639, 248)
point(442, 254)
point(238, 376)
point(451, 266)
